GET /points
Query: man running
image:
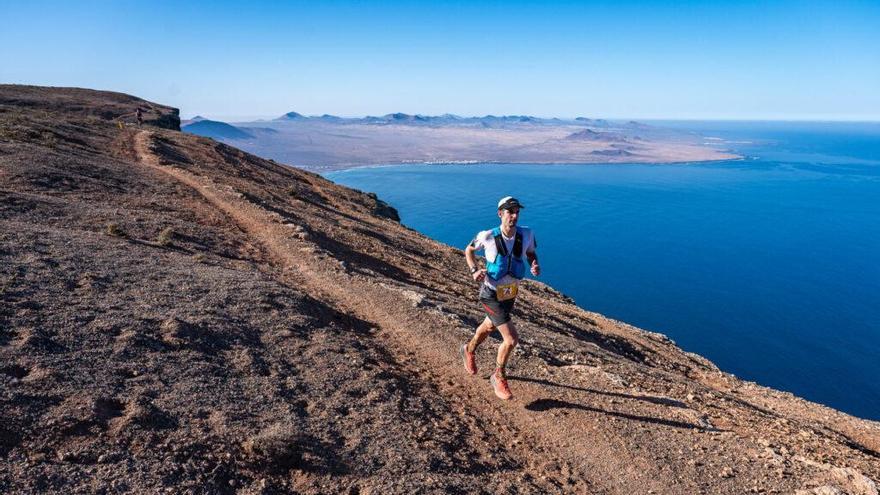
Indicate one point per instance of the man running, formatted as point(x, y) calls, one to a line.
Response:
point(504, 248)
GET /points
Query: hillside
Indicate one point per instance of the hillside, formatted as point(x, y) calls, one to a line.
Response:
point(179, 316)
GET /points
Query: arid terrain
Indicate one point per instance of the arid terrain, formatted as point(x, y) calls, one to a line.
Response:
point(180, 316)
point(328, 142)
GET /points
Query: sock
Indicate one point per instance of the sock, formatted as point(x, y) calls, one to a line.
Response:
point(500, 370)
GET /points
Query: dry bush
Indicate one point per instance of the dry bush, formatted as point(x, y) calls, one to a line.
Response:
point(114, 230)
point(276, 448)
point(165, 237)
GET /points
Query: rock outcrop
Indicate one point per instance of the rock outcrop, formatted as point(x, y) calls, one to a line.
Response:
point(179, 316)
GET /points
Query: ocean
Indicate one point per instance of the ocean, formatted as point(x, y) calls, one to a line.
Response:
point(769, 266)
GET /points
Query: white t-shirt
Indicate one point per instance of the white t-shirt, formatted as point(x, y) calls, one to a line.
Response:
point(485, 241)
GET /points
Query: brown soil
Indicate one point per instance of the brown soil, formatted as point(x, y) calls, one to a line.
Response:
point(179, 316)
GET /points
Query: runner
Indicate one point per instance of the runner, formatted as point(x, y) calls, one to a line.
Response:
point(504, 247)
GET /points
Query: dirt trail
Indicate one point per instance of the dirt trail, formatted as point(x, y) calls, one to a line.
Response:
point(571, 449)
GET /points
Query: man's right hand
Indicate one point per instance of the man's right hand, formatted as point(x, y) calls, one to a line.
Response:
point(479, 275)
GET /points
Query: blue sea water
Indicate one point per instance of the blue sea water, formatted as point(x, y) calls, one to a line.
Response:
point(769, 266)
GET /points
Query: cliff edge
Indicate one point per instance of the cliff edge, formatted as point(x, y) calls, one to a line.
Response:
point(179, 316)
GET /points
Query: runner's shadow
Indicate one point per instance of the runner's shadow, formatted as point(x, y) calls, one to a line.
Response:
point(541, 405)
point(663, 401)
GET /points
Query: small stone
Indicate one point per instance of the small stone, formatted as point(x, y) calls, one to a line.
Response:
point(727, 472)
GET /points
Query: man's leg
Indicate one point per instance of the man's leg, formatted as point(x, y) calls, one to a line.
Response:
point(483, 331)
point(511, 338)
point(467, 350)
point(499, 377)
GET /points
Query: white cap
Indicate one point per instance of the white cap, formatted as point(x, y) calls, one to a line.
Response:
point(509, 202)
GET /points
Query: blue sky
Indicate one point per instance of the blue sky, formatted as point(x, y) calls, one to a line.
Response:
point(679, 60)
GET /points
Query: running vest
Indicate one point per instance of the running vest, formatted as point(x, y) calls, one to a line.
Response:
point(504, 262)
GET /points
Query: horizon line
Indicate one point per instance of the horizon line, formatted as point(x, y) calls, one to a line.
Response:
point(818, 120)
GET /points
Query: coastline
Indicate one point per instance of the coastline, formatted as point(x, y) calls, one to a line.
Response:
point(323, 146)
point(321, 169)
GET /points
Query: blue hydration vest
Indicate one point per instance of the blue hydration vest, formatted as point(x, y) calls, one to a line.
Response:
point(507, 263)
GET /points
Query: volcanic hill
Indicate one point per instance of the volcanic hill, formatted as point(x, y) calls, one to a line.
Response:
point(179, 316)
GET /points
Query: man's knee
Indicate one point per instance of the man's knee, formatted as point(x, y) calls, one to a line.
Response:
point(511, 338)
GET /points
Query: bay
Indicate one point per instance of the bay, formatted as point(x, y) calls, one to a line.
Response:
point(768, 265)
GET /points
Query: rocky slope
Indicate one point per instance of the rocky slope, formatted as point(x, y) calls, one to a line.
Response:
point(178, 316)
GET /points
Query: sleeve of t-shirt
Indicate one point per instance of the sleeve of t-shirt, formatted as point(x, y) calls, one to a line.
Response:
point(479, 242)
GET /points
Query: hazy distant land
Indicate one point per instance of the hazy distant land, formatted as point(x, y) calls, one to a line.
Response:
point(328, 142)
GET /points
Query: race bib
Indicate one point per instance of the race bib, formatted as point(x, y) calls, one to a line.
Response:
point(505, 292)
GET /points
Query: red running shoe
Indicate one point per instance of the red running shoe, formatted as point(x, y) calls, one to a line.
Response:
point(470, 363)
point(499, 383)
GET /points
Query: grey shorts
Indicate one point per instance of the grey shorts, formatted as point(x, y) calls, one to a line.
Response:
point(497, 311)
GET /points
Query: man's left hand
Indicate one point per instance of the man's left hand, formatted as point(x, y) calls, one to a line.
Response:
point(536, 268)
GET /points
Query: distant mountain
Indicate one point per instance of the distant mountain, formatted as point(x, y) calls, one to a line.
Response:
point(511, 118)
point(292, 116)
point(197, 118)
point(413, 119)
point(590, 135)
point(403, 117)
point(444, 119)
point(216, 130)
point(330, 118)
point(632, 124)
point(592, 122)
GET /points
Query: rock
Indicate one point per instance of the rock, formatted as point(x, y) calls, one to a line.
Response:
point(856, 482)
point(822, 490)
point(773, 456)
